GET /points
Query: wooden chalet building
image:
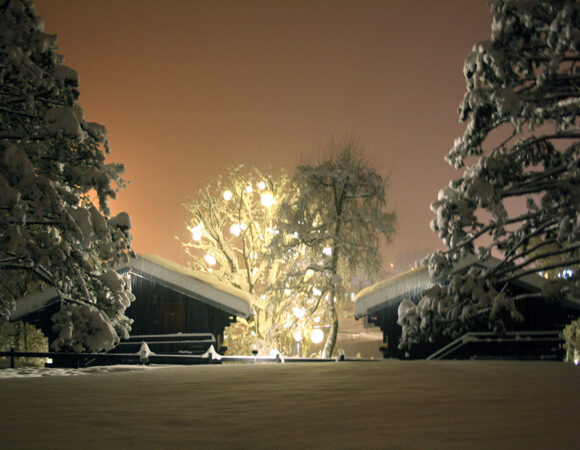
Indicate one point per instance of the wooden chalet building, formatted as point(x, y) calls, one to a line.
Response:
point(170, 299)
point(537, 336)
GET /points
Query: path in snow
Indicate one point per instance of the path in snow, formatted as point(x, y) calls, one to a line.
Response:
point(387, 404)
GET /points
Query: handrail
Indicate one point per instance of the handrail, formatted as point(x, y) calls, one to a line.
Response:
point(211, 358)
point(489, 336)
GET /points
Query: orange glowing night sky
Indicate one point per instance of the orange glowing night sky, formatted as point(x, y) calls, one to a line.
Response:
point(189, 88)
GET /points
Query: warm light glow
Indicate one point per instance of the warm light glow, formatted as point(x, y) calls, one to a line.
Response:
point(262, 185)
point(316, 292)
point(197, 232)
point(228, 195)
point(249, 189)
point(236, 229)
point(317, 319)
point(298, 336)
point(298, 312)
point(210, 259)
point(327, 251)
point(267, 199)
point(317, 336)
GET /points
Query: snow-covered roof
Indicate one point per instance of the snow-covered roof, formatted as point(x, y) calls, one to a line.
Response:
point(412, 283)
point(34, 302)
point(184, 280)
point(392, 290)
point(166, 273)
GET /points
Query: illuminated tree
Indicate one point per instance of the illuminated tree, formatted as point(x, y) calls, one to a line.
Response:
point(55, 224)
point(232, 225)
point(330, 232)
point(23, 337)
point(519, 194)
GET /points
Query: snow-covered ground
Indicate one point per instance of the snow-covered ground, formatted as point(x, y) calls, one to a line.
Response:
point(381, 404)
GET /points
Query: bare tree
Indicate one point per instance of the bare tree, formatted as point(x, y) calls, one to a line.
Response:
point(232, 223)
point(330, 231)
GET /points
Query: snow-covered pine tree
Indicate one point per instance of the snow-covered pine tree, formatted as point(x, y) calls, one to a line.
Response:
point(518, 198)
point(55, 224)
point(335, 223)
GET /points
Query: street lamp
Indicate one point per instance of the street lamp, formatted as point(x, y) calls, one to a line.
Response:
point(298, 339)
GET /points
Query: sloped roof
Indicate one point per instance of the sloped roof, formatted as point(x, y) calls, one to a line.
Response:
point(34, 302)
point(392, 290)
point(166, 273)
point(413, 282)
point(184, 280)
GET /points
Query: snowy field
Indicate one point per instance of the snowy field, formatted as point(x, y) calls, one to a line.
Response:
point(383, 404)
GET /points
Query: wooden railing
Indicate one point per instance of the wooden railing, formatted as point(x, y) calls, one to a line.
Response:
point(77, 360)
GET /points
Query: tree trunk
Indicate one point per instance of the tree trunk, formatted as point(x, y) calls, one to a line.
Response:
point(332, 334)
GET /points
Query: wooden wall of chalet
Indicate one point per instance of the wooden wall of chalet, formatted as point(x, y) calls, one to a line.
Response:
point(42, 319)
point(386, 320)
point(160, 310)
point(539, 315)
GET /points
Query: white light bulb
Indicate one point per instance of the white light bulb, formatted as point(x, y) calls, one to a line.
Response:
point(235, 229)
point(317, 336)
point(298, 312)
point(197, 232)
point(267, 199)
point(298, 336)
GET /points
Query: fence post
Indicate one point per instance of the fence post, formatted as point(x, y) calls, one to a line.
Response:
point(12, 357)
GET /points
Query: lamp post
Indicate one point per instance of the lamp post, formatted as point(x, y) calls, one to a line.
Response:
point(298, 339)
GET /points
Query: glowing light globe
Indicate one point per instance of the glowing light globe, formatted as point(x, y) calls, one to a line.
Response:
point(317, 336)
point(298, 336)
point(267, 199)
point(236, 229)
point(197, 232)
